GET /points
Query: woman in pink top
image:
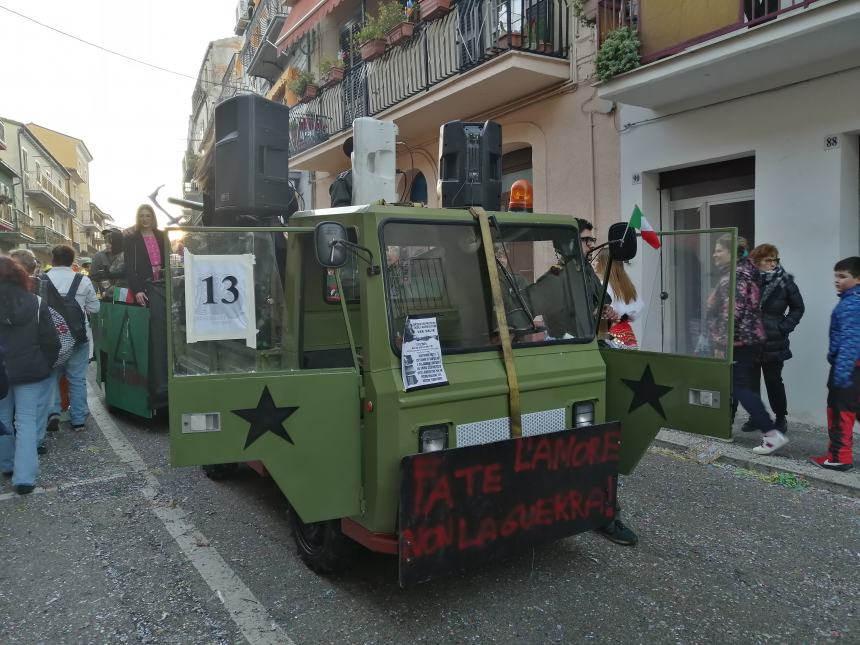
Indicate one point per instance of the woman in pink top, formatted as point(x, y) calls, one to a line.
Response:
point(143, 249)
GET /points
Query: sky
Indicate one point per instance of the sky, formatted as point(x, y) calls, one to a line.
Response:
point(133, 119)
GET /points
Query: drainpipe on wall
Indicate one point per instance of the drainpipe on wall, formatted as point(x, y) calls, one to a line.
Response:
point(593, 167)
point(572, 53)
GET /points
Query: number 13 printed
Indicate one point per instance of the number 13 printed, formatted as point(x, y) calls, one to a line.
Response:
point(230, 280)
point(219, 290)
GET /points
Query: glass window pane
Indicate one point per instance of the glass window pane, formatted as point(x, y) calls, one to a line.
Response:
point(230, 356)
point(440, 270)
point(686, 289)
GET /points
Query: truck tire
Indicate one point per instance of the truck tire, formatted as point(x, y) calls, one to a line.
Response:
point(321, 545)
point(220, 472)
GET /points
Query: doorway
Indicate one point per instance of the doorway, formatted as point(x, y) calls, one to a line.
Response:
point(735, 209)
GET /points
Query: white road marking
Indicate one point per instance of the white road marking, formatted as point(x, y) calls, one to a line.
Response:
point(246, 611)
point(78, 482)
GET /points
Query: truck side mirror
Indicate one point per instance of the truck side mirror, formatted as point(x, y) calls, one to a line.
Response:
point(330, 244)
point(622, 242)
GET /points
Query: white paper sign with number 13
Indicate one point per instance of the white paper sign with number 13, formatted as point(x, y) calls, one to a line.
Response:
point(219, 298)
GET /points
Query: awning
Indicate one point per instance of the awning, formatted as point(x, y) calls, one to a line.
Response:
point(303, 17)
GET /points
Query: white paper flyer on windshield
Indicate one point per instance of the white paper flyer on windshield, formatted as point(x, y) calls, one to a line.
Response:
point(421, 354)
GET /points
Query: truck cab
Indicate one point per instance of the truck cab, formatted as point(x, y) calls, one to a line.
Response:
point(507, 426)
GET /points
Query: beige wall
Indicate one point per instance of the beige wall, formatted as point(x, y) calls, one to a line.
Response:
point(64, 148)
point(559, 131)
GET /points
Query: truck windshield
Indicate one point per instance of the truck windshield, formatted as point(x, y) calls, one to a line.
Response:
point(439, 270)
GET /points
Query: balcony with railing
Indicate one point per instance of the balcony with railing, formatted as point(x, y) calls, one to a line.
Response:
point(90, 221)
point(481, 55)
point(259, 55)
point(47, 236)
point(696, 52)
point(233, 80)
point(15, 226)
point(39, 183)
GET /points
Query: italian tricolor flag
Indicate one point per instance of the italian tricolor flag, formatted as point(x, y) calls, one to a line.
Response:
point(638, 221)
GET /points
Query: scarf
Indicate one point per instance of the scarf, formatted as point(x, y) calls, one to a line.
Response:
point(772, 281)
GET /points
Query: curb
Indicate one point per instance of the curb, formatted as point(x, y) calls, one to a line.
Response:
point(706, 451)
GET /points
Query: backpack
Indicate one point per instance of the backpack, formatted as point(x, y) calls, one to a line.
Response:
point(66, 307)
point(67, 341)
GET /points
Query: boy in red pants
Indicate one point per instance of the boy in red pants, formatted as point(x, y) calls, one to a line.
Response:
point(843, 385)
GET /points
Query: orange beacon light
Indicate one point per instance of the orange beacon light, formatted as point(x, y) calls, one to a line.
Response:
point(521, 196)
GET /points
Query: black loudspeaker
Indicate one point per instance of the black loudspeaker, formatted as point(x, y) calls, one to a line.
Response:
point(251, 158)
point(470, 165)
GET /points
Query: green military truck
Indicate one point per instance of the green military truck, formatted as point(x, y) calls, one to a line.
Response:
point(429, 383)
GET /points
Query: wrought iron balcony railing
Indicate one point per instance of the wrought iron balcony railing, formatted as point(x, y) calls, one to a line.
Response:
point(268, 18)
point(47, 236)
point(690, 25)
point(233, 80)
point(41, 182)
point(474, 32)
point(15, 223)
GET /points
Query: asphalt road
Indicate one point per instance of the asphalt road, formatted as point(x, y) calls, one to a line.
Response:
point(118, 546)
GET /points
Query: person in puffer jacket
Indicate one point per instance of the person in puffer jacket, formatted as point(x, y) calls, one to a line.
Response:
point(28, 334)
point(843, 384)
point(749, 336)
point(782, 308)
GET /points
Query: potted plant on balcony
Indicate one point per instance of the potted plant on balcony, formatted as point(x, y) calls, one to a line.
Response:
point(433, 9)
point(507, 40)
point(619, 53)
point(394, 21)
point(303, 86)
point(332, 70)
point(370, 40)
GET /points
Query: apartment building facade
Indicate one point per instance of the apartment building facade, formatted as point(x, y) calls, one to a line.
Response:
point(9, 207)
point(217, 60)
point(248, 69)
point(42, 208)
point(76, 158)
point(745, 114)
point(525, 64)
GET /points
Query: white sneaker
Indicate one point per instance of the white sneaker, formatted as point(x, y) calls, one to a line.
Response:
point(770, 442)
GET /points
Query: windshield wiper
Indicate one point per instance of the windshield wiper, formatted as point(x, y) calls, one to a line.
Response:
point(512, 283)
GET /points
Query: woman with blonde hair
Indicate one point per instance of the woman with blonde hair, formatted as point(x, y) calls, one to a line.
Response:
point(143, 251)
point(626, 304)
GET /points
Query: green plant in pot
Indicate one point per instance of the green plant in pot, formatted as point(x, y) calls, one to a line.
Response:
point(393, 21)
point(619, 53)
point(370, 40)
point(303, 86)
point(331, 71)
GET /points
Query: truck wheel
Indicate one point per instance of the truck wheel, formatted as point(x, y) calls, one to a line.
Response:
point(322, 546)
point(220, 472)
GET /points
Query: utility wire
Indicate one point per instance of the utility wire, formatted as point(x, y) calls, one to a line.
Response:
point(111, 51)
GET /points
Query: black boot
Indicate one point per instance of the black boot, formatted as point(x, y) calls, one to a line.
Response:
point(619, 533)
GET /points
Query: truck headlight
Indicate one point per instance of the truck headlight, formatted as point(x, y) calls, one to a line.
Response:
point(433, 438)
point(583, 414)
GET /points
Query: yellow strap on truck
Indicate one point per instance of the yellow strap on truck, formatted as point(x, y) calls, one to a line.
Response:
point(501, 318)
